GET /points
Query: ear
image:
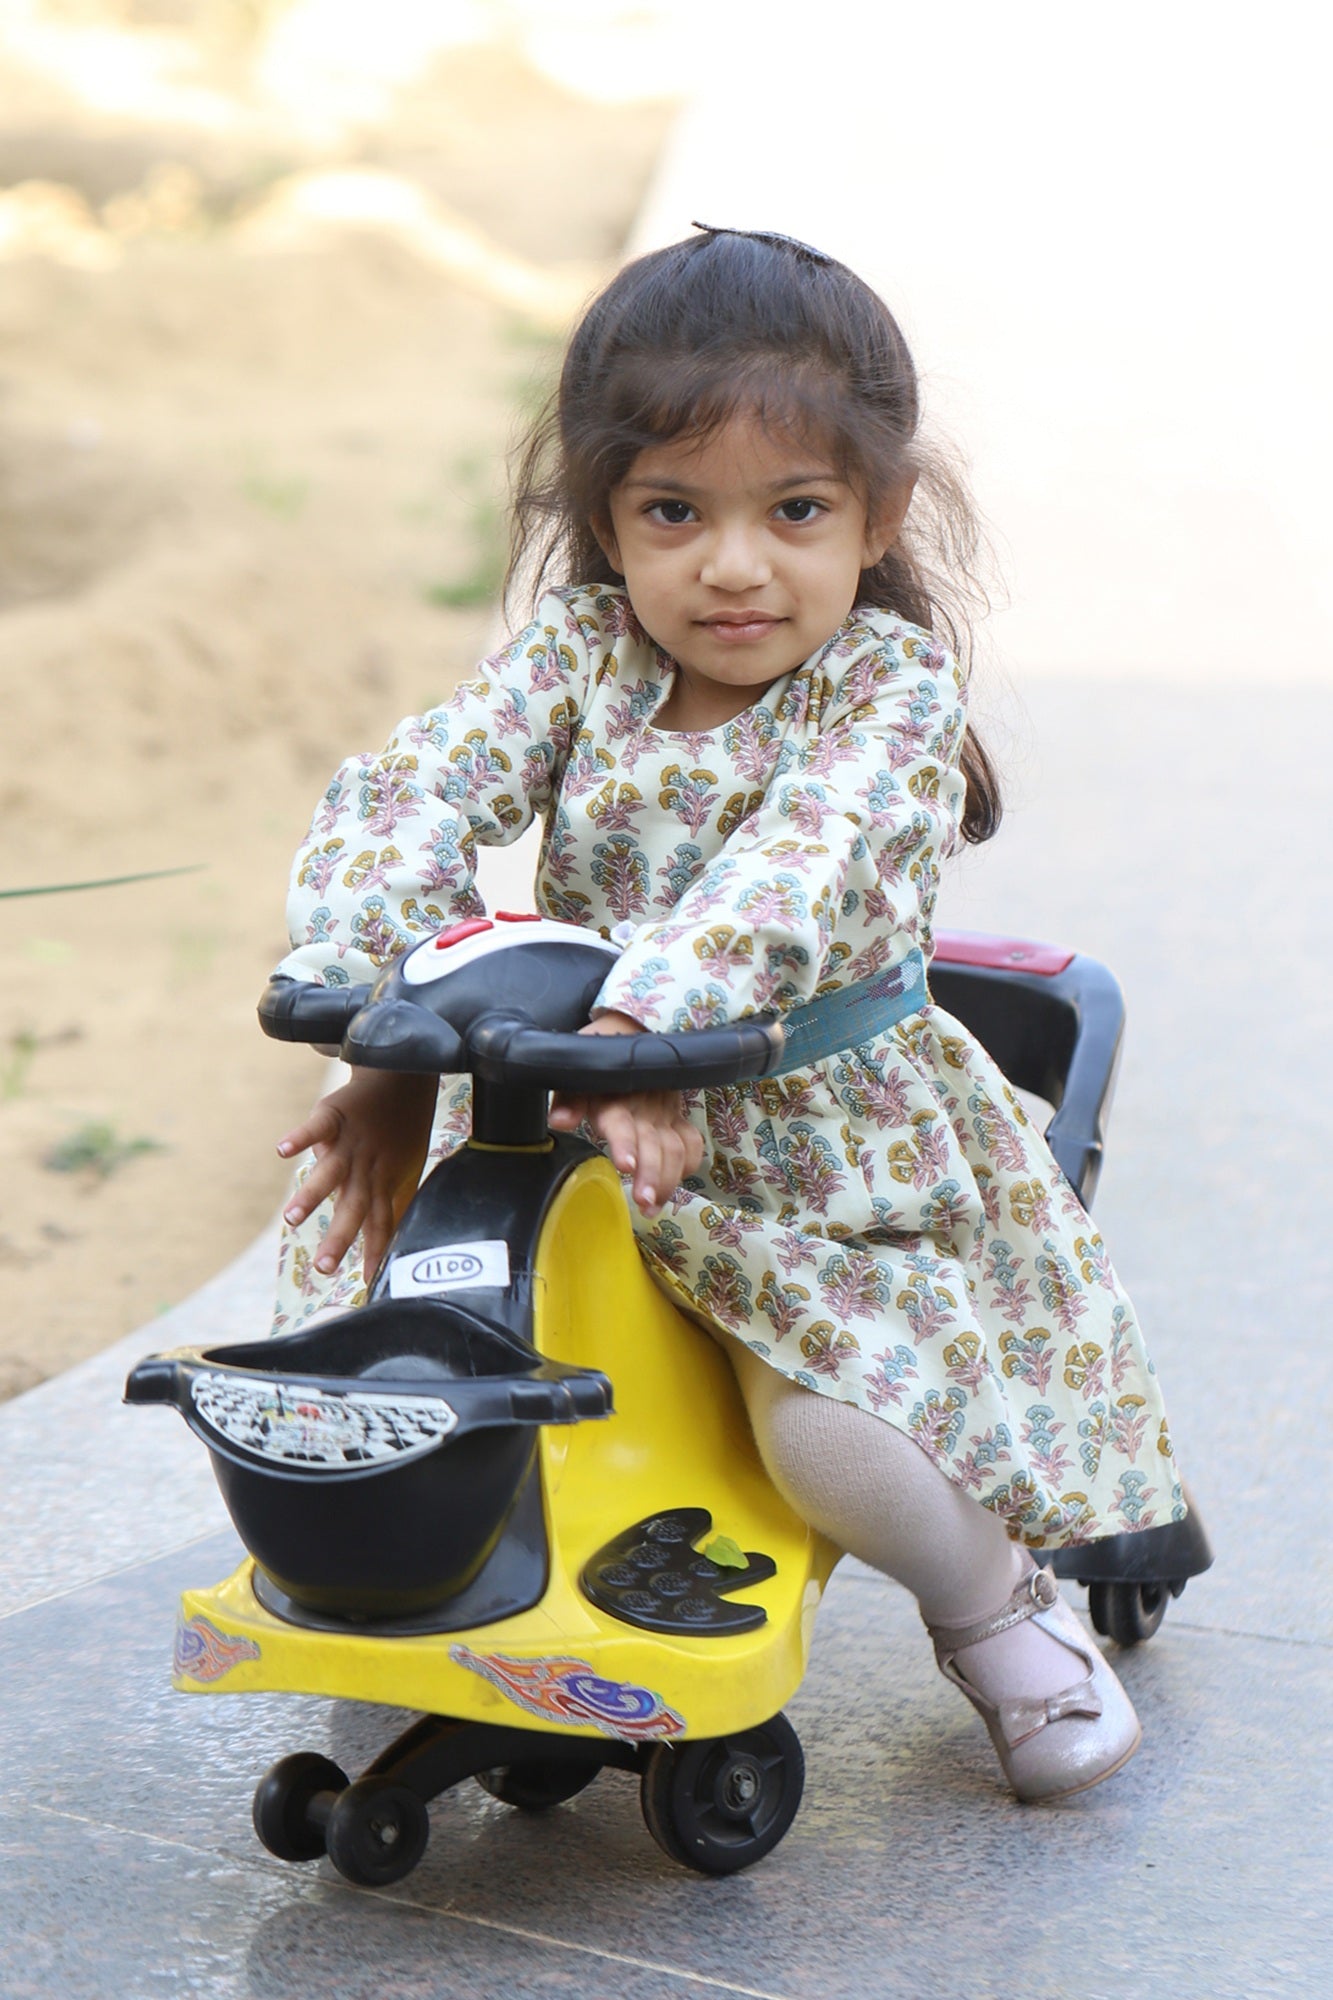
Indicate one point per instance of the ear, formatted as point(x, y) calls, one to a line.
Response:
point(885, 525)
point(605, 536)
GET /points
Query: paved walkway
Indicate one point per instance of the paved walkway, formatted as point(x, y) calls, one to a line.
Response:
point(1164, 824)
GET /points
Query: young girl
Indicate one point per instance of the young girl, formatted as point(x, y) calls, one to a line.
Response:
point(744, 737)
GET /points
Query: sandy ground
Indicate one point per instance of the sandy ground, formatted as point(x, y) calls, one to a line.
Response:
point(250, 460)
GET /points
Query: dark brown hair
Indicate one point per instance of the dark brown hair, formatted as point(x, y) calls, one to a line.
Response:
point(685, 337)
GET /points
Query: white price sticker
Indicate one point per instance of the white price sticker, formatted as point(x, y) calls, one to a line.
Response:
point(450, 1267)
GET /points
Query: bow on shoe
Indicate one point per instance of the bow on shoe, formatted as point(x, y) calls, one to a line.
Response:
point(1023, 1718)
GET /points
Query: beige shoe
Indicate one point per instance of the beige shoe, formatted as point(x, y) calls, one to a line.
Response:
point(1052, 1745)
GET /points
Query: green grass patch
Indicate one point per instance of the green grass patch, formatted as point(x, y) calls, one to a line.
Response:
point(17, 1061)
point(284, 498)
point(16, 1058)
point(97, 1149)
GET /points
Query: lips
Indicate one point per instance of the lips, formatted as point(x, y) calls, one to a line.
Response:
point(735, 627)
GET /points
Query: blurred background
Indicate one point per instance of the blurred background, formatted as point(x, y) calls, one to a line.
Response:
point(280, 281)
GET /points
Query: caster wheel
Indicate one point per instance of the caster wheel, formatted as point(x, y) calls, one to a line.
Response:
point(726, 1801)
point(1128, 1613)
point(283, 1800)
point(538, 1783)
point(377, 1832)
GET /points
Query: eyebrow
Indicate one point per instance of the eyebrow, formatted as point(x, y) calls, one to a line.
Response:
point(775, 486)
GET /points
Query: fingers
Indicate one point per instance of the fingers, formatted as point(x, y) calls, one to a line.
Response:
point(332, 1173)
point(319, 1128)
point(667, 1155)
point(614, 1122)
point(567, 1113)
point(367, 1206)
point(324, 1178)
point(377, 1233)
point(650, 1140)
point(628, 1136)
point(349, 1212)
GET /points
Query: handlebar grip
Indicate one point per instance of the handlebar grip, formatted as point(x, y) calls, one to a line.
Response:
point(504, 1048)
point(399, 1035)
point(295, 1010)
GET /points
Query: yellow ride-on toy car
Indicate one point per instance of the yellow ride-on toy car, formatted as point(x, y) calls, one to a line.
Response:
point(447, 1505)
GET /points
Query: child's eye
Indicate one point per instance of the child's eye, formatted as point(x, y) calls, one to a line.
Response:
point(673, 513)
point(797, 511)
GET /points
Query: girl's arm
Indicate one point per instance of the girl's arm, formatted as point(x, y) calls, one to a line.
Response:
point(833, 877)
point(390, 857)
point(391, 853)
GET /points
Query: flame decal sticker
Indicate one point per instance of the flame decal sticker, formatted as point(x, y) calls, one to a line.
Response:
point(568, 1691)
point(202, 1653)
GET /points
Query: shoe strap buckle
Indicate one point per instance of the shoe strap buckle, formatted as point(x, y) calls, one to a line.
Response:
point(1043, 1589)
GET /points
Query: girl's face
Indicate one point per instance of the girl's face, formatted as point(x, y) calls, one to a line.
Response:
point(742, 554)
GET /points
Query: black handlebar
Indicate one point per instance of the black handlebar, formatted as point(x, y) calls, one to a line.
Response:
point(291, 1010)
point(395, 1034)
point(1055, 1032)
point(503, 1045)
point(506, 1048)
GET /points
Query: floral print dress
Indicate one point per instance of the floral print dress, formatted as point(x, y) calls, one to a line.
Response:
point(886, 1227)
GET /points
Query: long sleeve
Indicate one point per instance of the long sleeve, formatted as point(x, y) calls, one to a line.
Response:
point(832, 877)
point(391, 851)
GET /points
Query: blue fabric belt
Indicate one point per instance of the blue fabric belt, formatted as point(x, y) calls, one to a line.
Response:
point(854, 1014)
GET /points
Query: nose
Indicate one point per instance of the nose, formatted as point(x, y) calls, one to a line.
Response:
point(734, 559)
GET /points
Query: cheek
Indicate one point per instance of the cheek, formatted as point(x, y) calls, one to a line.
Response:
point(845, 575)
point(648, 571)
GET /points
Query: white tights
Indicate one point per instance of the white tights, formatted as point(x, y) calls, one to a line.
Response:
point(876, 1494)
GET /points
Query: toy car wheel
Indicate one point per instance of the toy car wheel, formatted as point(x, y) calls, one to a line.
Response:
point(377, 1832)
point(283, 1800)
point(537, 1783)
point(1128, 1613)
point(726, 1801)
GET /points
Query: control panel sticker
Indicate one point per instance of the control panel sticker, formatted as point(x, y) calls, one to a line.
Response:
point(449, 1267)
point(298, 1425)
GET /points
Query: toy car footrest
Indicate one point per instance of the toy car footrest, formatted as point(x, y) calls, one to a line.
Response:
point(653, 1575)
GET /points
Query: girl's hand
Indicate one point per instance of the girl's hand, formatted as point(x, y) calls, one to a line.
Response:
point(645, 1132)
point(370, 1140)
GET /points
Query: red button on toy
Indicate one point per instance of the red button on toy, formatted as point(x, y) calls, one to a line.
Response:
point(457, 932)
point(517, 917)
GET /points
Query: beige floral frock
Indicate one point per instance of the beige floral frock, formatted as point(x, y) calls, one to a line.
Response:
point(886, 1227)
